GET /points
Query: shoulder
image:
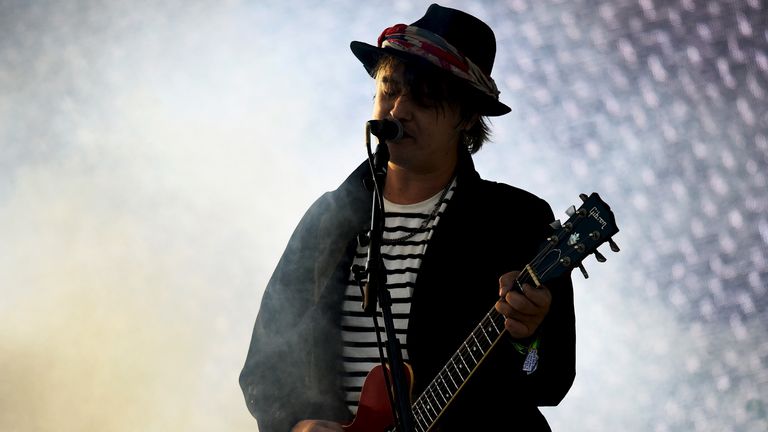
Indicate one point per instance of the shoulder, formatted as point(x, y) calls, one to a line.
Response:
point(506, 198)
point(335, 216)
point(504, 190)
point(349, 196)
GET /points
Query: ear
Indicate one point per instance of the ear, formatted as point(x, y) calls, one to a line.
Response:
point(471, 121)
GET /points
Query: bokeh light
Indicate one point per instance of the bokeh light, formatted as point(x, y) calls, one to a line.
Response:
point(154, 159)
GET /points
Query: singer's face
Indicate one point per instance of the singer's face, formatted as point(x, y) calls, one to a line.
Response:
point(431, 130)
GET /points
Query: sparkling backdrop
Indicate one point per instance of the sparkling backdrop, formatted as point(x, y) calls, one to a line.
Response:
point(154, 158)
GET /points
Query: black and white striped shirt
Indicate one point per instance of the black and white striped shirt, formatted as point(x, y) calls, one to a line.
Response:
point(402, 260)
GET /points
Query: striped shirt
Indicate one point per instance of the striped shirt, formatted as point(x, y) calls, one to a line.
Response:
point(402, 260)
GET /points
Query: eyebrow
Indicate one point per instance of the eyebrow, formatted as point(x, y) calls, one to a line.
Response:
point(389, 79)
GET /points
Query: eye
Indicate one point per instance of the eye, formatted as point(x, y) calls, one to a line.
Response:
point(387, 92)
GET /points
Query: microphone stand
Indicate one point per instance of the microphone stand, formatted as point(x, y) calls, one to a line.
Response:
point(375, 290)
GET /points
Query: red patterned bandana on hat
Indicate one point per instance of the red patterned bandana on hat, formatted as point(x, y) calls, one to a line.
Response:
point(438, 51)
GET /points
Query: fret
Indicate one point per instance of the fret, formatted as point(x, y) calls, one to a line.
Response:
point(435, 399)
point(490, 332)
point(469, 350)
point(434, 387)
point(420, 420)
point(445, 400)
point(457, 368)
point(445, 389)
point(484, 333)
point(431, 390)
point(426, 413)
point(494, 326)
point(451, 377)
point(465, 366)
point(429, 404)
point(477, 344)
point(419, 428)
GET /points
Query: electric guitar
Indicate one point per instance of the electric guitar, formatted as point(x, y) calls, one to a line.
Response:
point(586, 228)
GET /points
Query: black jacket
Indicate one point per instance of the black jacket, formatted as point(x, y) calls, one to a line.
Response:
point(292, 371)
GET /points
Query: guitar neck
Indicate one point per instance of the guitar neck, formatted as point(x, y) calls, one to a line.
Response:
point(433, 401)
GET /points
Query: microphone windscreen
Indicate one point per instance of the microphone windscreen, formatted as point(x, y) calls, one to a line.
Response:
point(386, 129)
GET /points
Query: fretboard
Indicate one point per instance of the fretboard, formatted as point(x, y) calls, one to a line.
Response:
point(430, 405)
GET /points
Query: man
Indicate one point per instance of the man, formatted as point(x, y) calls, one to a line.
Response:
point(451, 244)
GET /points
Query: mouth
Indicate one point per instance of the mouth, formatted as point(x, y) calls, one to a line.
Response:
point(400, 140)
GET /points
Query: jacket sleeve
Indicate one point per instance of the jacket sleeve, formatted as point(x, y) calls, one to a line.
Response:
point(548, 384)
point(276, 374)
point(289, 372)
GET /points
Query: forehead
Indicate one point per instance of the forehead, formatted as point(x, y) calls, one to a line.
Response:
point(389, 83)
point(393, 77)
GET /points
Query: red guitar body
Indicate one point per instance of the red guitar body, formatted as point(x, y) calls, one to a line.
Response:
point(374, 412)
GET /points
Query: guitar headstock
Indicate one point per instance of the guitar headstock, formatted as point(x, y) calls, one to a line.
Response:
point(587, 227)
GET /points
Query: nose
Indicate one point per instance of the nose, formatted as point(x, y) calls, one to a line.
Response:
point(401, 108)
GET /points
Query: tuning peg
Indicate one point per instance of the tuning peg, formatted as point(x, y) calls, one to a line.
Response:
point(556, 224)
point(571, 211)
point(599, 256)
point(614, 246)
point(583, 271)
point(583, 197)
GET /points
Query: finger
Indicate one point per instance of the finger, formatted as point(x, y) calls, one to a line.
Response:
point(526, 313)
point(519, 305)
point(540, 296)
point(506, 282)
point(518, 324)
point(517, 329)
point(502, 307)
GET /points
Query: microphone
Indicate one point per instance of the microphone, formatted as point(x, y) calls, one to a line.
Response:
point(386, 129)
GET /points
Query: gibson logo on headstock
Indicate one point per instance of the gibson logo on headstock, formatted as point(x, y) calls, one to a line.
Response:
point(595, 214)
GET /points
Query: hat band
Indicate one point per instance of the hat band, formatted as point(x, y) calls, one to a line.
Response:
point(438, 51)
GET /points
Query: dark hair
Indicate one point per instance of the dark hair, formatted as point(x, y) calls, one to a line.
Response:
point(431, 87)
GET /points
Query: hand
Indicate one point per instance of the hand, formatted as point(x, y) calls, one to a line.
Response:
point(317, 426)
point(523, 312)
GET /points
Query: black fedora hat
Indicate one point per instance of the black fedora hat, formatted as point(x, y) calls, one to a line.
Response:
point(448, 39)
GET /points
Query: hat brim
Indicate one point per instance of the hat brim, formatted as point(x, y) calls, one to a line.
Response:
point(369, 56)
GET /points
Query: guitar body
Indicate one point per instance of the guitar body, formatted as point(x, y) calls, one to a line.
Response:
point(374, 412)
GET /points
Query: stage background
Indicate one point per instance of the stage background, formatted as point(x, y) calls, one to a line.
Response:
point(155, 157)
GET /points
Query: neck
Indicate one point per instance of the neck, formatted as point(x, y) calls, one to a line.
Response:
point(404, 186)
